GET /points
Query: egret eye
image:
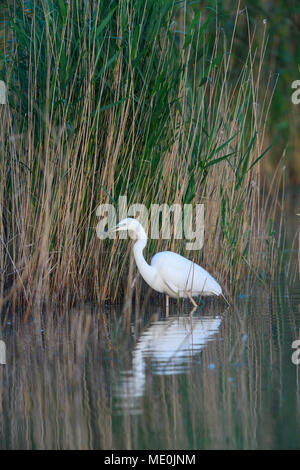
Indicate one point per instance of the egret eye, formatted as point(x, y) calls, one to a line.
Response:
point(132, 234)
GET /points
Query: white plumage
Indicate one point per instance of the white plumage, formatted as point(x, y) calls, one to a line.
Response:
point(169, 273)
point(179, 275)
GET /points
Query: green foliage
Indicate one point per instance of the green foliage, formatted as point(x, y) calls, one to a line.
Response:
point(278, 21)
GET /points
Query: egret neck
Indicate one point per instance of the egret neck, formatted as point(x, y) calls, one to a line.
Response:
point(148, 272)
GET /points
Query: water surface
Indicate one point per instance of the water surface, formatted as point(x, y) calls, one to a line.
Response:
point(97, 378)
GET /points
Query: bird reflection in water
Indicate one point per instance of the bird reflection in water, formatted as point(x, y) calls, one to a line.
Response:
point(167, 345)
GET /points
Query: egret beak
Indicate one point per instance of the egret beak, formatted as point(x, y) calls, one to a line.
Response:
point(112, 229)
point(116, 228)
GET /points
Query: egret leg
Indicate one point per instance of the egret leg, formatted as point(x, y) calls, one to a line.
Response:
point(225, 299)
point(191, 299)
point(167, 305)
point(193, 311)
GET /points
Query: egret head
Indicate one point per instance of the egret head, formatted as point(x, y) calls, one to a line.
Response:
point(135, 229)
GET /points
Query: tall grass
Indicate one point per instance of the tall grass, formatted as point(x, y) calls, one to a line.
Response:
point(126, 98)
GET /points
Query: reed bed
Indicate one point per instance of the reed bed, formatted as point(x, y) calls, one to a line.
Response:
point(131, 98)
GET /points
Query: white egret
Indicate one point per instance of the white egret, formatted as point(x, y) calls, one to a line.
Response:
point(168, 273)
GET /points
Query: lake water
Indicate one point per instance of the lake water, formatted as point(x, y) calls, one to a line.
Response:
point(100, 378)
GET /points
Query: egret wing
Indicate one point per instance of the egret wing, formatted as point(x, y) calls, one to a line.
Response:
point(183, 274)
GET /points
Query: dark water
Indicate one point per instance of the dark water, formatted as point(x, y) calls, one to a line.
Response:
point(215, 378)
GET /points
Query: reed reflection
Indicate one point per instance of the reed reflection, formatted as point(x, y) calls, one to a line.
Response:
point(77, 379)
